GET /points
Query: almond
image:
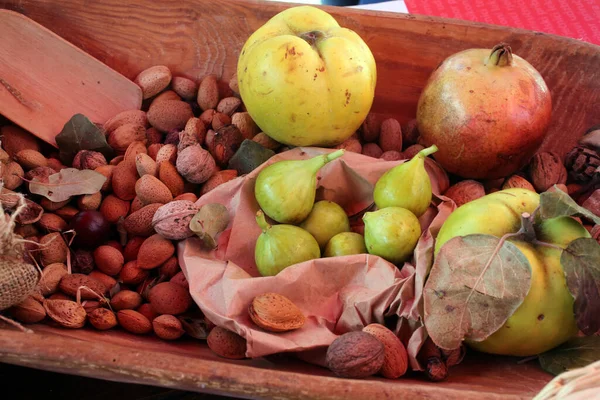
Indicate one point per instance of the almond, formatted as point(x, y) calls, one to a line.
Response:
point(220, 120)
point(88, 159)
point(168, 152)
point(108, 281)
point(15, 139)
point(136, 117)
point(13, 172)
point(180, 280)
point(207, 116)
point(59, 296)
point(114, 208)
point(50, 205)
point(167, 327)
point(153, 136)
point(70, 283)
point(53, 249)
point(136, 204)
point(264, 140)
point(107, 171)
point(187, 196)
point(233, 84)
point(151, 190)
point(412, 151)
point(123, 182)
point(196, 127)
point(208, 92)
point(145, 165)
point(135, 148)
point(350, 144)
point(67, 212)
point(226, 344)
point(370, 128)
point(102, 319)
point(153, 150)
point(166, 95)
point(169, 115)
point(395, 361)
point(52, 223)
point(131, 274)
point(51, 276)
point(372, 150)
point(139, 223)
point(516, 181)
point(390, 137)
point(147, 311)
point(169, 298)
point(29, 311)
point(66, 312)
point(245, 124)
point(153, 80)
point(132, 248)
point(30, 159)
point(167, 173)
point(154, 251)
point(55, 164)
point(228, 105)
point(465, 191)
point(134, 322)
point(184, 87)
point(88, 202)
point(108, 260)
point(116, 160)
point(90, 305)
point(169, 268)
point(126, 134)
point(126, 300)
point(276, 313)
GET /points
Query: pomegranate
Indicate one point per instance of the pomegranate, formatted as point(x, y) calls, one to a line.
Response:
point(487, 112)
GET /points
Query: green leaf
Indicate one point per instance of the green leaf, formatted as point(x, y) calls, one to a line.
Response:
point(575, 353)
point(79, 133)
point(581, 263)
point(476, 283)
point(68, 182)
point(558, 203)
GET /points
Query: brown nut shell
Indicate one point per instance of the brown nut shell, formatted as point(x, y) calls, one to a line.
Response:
point(226, 344)
point(355, 354)
point(395, 361)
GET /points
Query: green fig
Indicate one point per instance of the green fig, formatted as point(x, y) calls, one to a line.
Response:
point(406, 185)
point(326, 220)
point(345, 244)
point(280, 246)
point(285, 190)
point(391, 233)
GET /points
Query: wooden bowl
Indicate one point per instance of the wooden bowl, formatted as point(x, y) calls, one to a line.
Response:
point(197, 37)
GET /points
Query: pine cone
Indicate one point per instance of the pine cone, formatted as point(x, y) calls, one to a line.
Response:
point(583, 161)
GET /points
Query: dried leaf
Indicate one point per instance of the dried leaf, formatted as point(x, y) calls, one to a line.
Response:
point(581, 263)
point(558, 203)
point(195, 326)
point(68, 182)
point(465, 300)
point(79, 133)
point(211, 220)
point(575, 353)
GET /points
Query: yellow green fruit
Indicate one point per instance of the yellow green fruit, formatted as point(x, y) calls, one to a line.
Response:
point(280, 246)
point(305, 80)
point(326, 220)
point(391, 233)
point(545, 319)
point(345, 244)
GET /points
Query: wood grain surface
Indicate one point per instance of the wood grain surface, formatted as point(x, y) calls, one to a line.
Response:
point(190, 365)
point(45, 80)
point(198, 37)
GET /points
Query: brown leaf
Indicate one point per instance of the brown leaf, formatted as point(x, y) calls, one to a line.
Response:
point(476, 283)
point(68, 182)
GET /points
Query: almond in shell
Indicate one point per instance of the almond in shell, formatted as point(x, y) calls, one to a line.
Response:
point(226, 343)
point(67, 313)
point(395, 361)
point(167, 327)
point(276, 313)
point(134, 322)
point(102, 319)
point(29, 311)
point(153, 80)
point(70, 283)
point(51, 276)
point(154, 251)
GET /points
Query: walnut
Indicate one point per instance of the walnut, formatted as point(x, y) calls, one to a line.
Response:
point(546, 169)
point(355, 355)
point(195, 164)
point(87, 159)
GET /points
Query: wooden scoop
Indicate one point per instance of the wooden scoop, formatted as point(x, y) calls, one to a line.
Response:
point(45, 80)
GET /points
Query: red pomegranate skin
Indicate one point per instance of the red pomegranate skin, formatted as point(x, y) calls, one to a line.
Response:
point(487, 120)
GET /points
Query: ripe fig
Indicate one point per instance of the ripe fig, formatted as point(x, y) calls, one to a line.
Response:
point(280, 246)
point(391, 233)
point(344, 244)
point(326, 220)
point(285, 190)
point(406, 185)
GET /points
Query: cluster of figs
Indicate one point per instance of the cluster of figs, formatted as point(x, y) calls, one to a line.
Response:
point(304, 230)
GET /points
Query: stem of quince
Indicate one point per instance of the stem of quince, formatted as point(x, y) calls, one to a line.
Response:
point(501, 55)
point(312, 36)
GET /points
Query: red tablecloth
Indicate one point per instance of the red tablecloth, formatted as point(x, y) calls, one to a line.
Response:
point(579, 19)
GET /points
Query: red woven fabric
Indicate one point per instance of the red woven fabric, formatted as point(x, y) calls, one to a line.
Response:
point(579, 19)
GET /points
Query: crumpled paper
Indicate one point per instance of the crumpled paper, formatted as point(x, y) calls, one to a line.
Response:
point(336, 295)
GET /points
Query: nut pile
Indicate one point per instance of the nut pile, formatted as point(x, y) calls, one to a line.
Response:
point(109, 258)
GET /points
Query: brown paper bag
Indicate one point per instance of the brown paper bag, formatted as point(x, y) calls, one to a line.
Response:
point(336, 294)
